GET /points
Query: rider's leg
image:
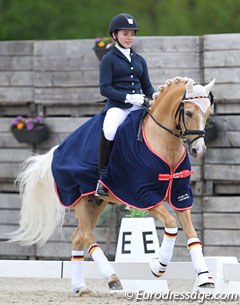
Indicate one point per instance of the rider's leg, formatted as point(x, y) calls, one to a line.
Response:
point(113, 119)
point(105, 147)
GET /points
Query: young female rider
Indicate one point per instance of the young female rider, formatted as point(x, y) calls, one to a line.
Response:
point(123, 80)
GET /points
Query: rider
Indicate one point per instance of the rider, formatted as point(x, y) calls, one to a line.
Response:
point(123, 79)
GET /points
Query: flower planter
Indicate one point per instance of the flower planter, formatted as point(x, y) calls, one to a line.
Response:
point(100, 52)
point(34, 136)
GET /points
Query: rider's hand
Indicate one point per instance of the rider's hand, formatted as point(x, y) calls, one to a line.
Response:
point(155, 96)
point(135, 99)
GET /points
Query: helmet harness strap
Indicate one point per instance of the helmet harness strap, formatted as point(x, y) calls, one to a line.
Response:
point(117, 40)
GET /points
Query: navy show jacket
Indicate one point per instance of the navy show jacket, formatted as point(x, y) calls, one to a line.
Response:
point(119, 77)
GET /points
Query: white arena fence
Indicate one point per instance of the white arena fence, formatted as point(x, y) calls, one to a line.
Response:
point(226, 271)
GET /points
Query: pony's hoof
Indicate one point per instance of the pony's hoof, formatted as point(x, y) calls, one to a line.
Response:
point(83, 291)
point(205, 281)
point(207, 285)
point(114, 284)
point(157, 268)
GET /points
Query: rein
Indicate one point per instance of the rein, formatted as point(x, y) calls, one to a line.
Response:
point(180, 113)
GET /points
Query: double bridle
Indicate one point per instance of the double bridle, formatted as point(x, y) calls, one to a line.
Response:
point(180, 115)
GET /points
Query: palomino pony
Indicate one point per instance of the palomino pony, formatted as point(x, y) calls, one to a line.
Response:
point(155, 169)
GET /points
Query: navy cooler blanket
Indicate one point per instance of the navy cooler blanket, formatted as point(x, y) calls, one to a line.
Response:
point(133, 172)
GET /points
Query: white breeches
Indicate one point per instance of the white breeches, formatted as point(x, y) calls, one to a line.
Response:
point(114, 118)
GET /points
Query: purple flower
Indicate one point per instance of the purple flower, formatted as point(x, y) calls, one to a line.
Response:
point(30, 126)
point(28, 123)
point(36, 119)
point(14, 122)
point(108, 46)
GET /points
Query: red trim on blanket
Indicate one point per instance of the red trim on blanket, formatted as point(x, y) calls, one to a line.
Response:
point(183, 174)
point(129, 205)
point(72, 204)
point(171, 182)
point(150, 148)
point(181, 160)
point(137, 208)
point(168, 191)
point(122, 201)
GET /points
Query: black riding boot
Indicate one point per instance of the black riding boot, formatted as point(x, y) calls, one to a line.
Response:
point(105, 148)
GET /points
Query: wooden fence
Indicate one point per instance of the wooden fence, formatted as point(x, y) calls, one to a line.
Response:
point(59, 80)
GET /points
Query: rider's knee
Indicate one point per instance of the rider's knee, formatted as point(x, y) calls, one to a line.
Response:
point(109, 133)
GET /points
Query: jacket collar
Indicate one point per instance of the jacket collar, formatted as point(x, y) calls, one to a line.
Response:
point(115, 51)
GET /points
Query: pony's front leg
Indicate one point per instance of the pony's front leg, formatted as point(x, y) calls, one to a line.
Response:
point(158, 265)
point(195, 248)
point(88, 214)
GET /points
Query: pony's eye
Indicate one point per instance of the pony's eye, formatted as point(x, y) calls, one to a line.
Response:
point(189, 114)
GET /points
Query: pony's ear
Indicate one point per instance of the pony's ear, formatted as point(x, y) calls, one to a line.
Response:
point(189, 86)
point(210, 86)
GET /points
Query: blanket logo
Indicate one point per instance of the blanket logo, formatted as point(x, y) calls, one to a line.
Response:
point(183, 197)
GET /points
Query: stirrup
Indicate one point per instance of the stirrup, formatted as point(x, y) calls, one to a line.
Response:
point(101, 190)
point(157, 268)
point(204, 280)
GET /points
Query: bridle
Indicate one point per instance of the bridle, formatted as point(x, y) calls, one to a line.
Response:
point(180, 115)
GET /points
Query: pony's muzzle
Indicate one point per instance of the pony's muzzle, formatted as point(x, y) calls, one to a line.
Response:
point(197, 151)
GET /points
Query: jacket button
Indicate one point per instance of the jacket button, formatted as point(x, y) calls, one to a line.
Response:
point(133, 91)
point(131, 68)
point(131, 76)
point(132, 83)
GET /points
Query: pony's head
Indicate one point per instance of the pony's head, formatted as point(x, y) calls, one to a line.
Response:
point(192, 115)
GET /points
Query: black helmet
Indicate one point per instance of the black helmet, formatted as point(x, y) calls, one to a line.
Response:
point(122, 22)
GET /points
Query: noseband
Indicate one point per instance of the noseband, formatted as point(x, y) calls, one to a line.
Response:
point(180, 114)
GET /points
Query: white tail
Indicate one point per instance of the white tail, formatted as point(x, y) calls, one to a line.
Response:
point(41, 212)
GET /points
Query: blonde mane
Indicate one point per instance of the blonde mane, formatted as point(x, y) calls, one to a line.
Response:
point(174, 80)
point(169, 82)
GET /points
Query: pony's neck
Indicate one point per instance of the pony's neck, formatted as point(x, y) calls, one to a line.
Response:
point(161, 141)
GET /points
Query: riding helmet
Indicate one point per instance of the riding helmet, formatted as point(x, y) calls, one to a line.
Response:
point(122, 22)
